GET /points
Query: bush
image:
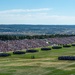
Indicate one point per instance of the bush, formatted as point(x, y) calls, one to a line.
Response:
point(19, 52)
point(66, 58)
point(31, 51)
point(66, 45)
point(4, 54)
point(56, 47)
point(45, 49)
point(32, 57)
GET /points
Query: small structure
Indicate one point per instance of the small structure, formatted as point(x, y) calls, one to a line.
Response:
point(66, 58)
point(31, 51)
point(45, 49)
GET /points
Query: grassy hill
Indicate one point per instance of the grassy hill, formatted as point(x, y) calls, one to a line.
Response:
point(44, 63)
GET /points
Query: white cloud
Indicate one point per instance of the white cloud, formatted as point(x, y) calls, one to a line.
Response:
point(25, 10)
point(35, 16)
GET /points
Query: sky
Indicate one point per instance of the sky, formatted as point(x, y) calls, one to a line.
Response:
point(48, 12)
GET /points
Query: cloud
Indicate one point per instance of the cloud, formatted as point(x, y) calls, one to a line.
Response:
point(25, 10)
point(34, 16)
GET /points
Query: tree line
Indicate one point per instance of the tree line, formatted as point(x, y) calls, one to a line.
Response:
point(19, 37)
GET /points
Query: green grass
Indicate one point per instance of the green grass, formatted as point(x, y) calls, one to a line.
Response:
point(45, 63)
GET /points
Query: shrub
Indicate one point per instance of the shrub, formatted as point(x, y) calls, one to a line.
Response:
point(56, 47)
point(4, 54)
point(32, 57)
point(31, 51)
point(66, 45)
point(18, 52)
point(45, 49)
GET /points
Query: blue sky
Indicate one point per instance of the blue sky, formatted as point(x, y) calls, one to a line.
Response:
point(37, 12)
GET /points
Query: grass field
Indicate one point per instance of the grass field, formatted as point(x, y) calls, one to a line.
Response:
point(45, 63)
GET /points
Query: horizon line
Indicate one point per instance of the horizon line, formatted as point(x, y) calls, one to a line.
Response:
point(36, 24)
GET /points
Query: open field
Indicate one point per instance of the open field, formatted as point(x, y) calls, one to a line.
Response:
point(45, 63)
